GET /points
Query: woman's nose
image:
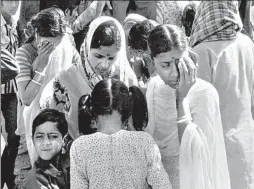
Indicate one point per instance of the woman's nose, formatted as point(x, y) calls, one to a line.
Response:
point(175, 70)
point(104, 64)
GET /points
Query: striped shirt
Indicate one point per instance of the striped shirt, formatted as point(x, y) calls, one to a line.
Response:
point(9, 40)
point(25, 57)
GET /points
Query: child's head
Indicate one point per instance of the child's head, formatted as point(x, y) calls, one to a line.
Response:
point(111, 96)
point(9, 7)
point(48, 131)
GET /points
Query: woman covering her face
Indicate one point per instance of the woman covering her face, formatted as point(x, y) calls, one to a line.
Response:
point(103, 56)
point(197, 121)
point(47, 52)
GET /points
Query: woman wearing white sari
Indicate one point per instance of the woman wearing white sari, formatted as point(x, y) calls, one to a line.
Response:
point(103, 55)
point(196, 120)
point(47, 53)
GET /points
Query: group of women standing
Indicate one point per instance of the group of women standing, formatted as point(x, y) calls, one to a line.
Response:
point(197, 106)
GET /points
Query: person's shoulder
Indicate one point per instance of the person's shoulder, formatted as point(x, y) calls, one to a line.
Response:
point(139, 135)
point(203, 89)
point(84, 140)
point(244, 40)
point(25, 49)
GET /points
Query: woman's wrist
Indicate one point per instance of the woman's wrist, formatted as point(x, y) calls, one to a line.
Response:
point(38, 77)
point(183, 109)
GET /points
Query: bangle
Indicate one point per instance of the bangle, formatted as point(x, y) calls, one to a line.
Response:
point(38, 78)
point(184, 119)
point(37, 82)
point(39, 73)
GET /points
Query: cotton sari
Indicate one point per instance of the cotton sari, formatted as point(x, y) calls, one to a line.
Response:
point(64, 90)
point(61, 58)
point(202, 155)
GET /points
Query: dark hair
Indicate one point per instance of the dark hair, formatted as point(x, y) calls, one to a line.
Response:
point(109, 95)
point(138, 35)
point(106, 34)
point(188, 17)
point(54, 116)
point(49, 22)
point(164, 38)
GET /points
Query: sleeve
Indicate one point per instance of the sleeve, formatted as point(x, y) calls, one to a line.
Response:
point(22, 57)
point(9, 67)
point(203, 160)
point(204, 70)
point(157, 176)
point(78, 177)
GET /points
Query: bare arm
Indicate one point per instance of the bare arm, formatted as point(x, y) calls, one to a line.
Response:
point(30, 87)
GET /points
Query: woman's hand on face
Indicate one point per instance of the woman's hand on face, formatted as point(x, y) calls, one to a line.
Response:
point(44, 50)
point(188, 74)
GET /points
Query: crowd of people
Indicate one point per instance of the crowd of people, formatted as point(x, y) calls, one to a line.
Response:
point(128, 95)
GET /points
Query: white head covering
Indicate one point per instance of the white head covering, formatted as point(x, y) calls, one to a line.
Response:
point(121, 62)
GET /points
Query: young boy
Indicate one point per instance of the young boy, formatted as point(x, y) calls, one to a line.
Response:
point(51, 170)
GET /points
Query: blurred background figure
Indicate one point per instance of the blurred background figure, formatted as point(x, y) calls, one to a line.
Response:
point(188, 17)
point(225, 57)
point(9, 41)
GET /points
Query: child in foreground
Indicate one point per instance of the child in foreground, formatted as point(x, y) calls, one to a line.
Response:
point(51, 170)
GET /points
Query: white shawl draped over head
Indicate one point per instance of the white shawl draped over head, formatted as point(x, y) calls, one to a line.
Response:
point(66, 88)
point(60, 59)
point(203, 161)
point(121, 65)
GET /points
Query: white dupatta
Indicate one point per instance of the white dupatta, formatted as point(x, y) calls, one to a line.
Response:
point(202, 162)
point(60, 59)
point(121, 64)
point(65, 89)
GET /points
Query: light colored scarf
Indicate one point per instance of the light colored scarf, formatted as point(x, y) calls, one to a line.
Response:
point(216, 21)
point(60, 59)
point(121, 63)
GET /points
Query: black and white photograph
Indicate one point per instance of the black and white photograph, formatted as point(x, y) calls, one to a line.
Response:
point(127, 94)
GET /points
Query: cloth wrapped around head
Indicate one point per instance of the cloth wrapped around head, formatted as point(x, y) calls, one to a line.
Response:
point(120, 65)
point(215, 21)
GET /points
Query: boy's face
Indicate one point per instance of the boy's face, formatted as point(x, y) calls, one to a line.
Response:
point(9, 7)
point(48, 141)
